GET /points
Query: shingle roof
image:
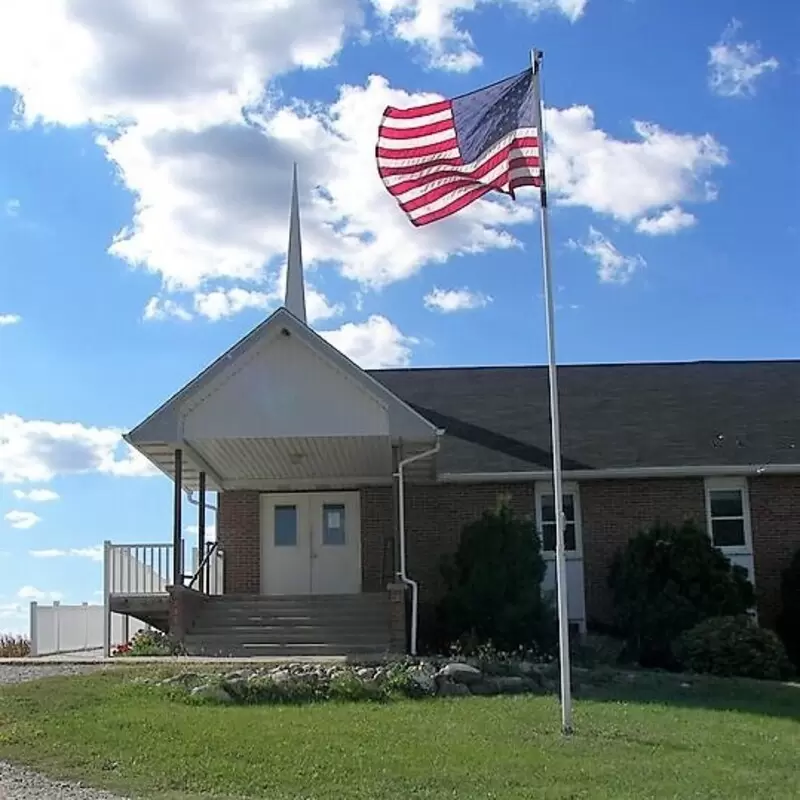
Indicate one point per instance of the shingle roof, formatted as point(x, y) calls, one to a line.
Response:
point(613, 416)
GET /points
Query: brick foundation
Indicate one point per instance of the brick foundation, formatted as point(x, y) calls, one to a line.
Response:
point(185, 606)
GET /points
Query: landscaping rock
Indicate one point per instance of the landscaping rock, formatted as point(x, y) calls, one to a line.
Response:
point(513, 684)
point(215, 693)
point(486, 687)
point(461, 673)
point(447, 689)
point(424, 678)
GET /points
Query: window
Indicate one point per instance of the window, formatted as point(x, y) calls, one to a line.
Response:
point(285, 526)
point(333, 531)
point(546, 519)
point(728, 513)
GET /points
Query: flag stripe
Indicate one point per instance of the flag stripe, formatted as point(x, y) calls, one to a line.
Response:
point(423, 140)
point(425, 195)
point(455, 200)
point(418, 111)
point(462, 200)
point(450, 147)
point(398, 183)
point(487, 173)
point(386, 132)
point(417, 121)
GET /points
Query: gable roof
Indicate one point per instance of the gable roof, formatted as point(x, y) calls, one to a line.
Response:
point(163, 424)
point(612, 415)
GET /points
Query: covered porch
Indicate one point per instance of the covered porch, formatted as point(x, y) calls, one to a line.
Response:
point(287, 432)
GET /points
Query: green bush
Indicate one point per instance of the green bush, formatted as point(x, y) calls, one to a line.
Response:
point(149, 643)
point(733, 647)
point(493, 585)
point(789, 618)
point(667, 580)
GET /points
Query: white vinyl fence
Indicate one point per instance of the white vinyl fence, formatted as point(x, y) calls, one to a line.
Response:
point(73, 629)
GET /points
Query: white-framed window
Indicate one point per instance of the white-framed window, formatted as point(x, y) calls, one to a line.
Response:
point(728, 515)
point(546, 519)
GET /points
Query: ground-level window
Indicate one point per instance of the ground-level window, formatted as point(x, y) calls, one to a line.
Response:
point(546, 518)
point(728, 513)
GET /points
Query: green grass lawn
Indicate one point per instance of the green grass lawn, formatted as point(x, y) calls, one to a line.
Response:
point(651, 739)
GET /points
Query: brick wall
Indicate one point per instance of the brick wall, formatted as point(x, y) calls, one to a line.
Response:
point(775, 515)
point(614, 511)
point(239, 535)
point(377, 538)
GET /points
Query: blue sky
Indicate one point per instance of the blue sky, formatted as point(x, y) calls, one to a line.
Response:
point(143, 216)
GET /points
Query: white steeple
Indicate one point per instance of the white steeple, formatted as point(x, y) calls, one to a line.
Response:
point(295, 286)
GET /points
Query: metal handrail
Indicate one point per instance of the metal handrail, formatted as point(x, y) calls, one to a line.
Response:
point(202, 565)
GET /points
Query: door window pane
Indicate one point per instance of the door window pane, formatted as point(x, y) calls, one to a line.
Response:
point(285, 526)
point(549, 537)
point(333, 530)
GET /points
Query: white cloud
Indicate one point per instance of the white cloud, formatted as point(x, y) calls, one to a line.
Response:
point(211, 532)
point(211, 184)
point(612, 266)
point(436, 25)
point(12, 207)
point(671, 220)
point(38, 450)
point(735, 66)
point(94, 553)
point(221, 303)
point(159, 308)
point(626, 179)
point(32, 593)
point(36, 495)
point(449, 300)
point(373, 344)
point(9, 319)
point(172, 62)
point(22, 520)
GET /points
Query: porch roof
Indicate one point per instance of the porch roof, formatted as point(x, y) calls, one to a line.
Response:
point(282, 405)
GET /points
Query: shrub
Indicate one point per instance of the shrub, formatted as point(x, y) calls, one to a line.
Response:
point(667, 580)
point(148, 643)
point(733, 647)
point(14, 646)
point(789, 618)
point(493, 585)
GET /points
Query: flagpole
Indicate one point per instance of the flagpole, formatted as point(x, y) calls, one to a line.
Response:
point(558, 493)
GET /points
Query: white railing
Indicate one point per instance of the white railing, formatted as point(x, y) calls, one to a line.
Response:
point(73, 629)
point(212, 571)
point(138, 568)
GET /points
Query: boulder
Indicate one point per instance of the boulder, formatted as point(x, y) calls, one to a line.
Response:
point(458, 672)
point(215, 693)
point(447, 689)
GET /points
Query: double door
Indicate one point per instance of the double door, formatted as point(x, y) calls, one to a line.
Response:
point(311, 543)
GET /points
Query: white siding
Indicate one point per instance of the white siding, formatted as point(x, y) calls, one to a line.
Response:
point(284, 389)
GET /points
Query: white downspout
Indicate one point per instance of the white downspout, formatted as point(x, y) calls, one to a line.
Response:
point(402, 574)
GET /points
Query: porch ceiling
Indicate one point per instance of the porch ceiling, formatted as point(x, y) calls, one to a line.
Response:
point(253, 463)
point(297, 458)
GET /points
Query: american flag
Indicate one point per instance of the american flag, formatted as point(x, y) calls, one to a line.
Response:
point(437, 158)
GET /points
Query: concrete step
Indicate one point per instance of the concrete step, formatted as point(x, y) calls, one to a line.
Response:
point(285, 651)
point(304, 601)
point(290, 620)
point(202, 627)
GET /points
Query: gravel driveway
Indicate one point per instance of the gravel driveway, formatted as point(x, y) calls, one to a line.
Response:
point(21, 784)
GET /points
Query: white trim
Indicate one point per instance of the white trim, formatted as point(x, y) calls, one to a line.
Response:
point(309, 484)
point(620, 473)
point(731, 484)
point(546, 487)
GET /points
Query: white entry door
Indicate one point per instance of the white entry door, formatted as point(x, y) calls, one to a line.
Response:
point(311, 543)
